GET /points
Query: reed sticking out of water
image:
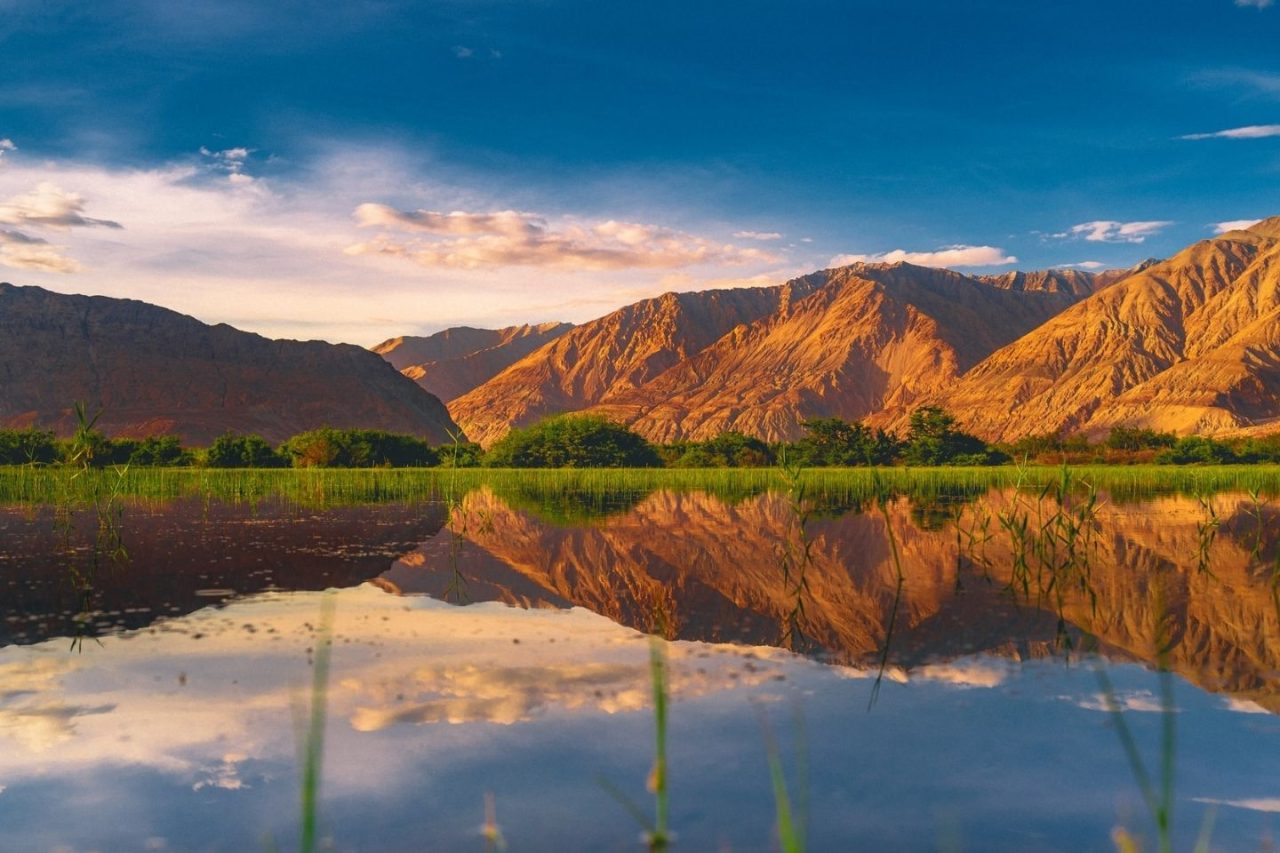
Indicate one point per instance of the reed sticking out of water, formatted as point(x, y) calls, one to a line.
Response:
point(312, 743)
point(491, 832)
point(791, 821)
point(657, 831)
point(882, 499)
point(795, 557)
point(660, 835)
point(1051, 540)
point(1158, 799)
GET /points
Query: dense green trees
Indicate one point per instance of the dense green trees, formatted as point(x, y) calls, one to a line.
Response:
point(1124, 438)
point(934, 439)
point(832, 441)
point(243, 451)
point(358, 448)
point(572, 441)
point(27, 446)
point(727, 450)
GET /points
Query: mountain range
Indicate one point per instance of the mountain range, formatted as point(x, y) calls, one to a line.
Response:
point(152, 371)
point(1190, 344)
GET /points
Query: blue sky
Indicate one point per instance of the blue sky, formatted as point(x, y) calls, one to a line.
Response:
point(382, 167)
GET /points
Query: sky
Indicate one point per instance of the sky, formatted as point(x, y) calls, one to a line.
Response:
point(358, 170)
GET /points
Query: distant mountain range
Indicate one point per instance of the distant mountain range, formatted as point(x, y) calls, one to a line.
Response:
point(153, 371)
point(1190, 344)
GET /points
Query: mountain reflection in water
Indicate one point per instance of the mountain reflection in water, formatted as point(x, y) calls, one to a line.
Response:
point(712, 570)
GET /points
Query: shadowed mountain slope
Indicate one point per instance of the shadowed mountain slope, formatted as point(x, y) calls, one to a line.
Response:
point(153, 371)
point(452, 362)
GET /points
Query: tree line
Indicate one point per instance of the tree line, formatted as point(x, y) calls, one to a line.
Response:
point(932, 438)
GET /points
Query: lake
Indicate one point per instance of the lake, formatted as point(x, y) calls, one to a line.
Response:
point(959, 667)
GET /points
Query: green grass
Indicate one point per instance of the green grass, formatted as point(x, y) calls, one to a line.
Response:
point(591, 491)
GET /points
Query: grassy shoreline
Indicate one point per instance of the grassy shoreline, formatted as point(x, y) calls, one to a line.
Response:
point(49, 485)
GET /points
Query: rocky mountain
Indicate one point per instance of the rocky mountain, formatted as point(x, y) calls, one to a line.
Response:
point(869, 341)
point(153, 371)
point(1076, 282)
point(612, 355)
point(452, 362)
point(1190, 345)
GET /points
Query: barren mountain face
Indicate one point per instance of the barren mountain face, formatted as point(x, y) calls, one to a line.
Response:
point(1191, 344)
point(869, 342)
point(453, 362)
point(153, 371)
point(612, 355)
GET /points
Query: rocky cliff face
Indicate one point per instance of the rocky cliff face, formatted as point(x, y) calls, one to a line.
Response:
point(868, 343)
point(457, 360)
point(612, 355)
point(1191, 344)
point(154, 371)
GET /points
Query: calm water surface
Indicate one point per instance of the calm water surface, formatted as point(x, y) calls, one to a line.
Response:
point(155, 672)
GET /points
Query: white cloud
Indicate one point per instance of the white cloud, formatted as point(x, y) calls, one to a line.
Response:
point(1257, 4)
point(757, 235)
point(951, 256)
point(1109, 231)
point(267, 254)
point(1081, 265)
point(1252, 131)
point(6, 145)
point(46, 206)
point(1234, 225)
point(50, 206)
point(230, 161)
point(509, 238)
point(24, 252)
point(463, 52)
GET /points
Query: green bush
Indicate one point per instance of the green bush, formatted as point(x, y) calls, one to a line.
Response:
point(28, 446)
point(934, 439)
point(1194, 449)
point(160, 451)
point(243, 451)
point(727, 450)
point(358, 448)
point(833, 441)
point(572, 441)
point(465, 454)
point(1123, 438)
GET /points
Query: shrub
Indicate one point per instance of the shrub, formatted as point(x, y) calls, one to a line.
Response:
point(243, 451)
point(1123, 438)
point(1194, 449)
point(159, 450)
point(833, 441)
point(934, 439)
point(358, 448)
point(26, 446)
point(727, 450)
point(574, 441)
